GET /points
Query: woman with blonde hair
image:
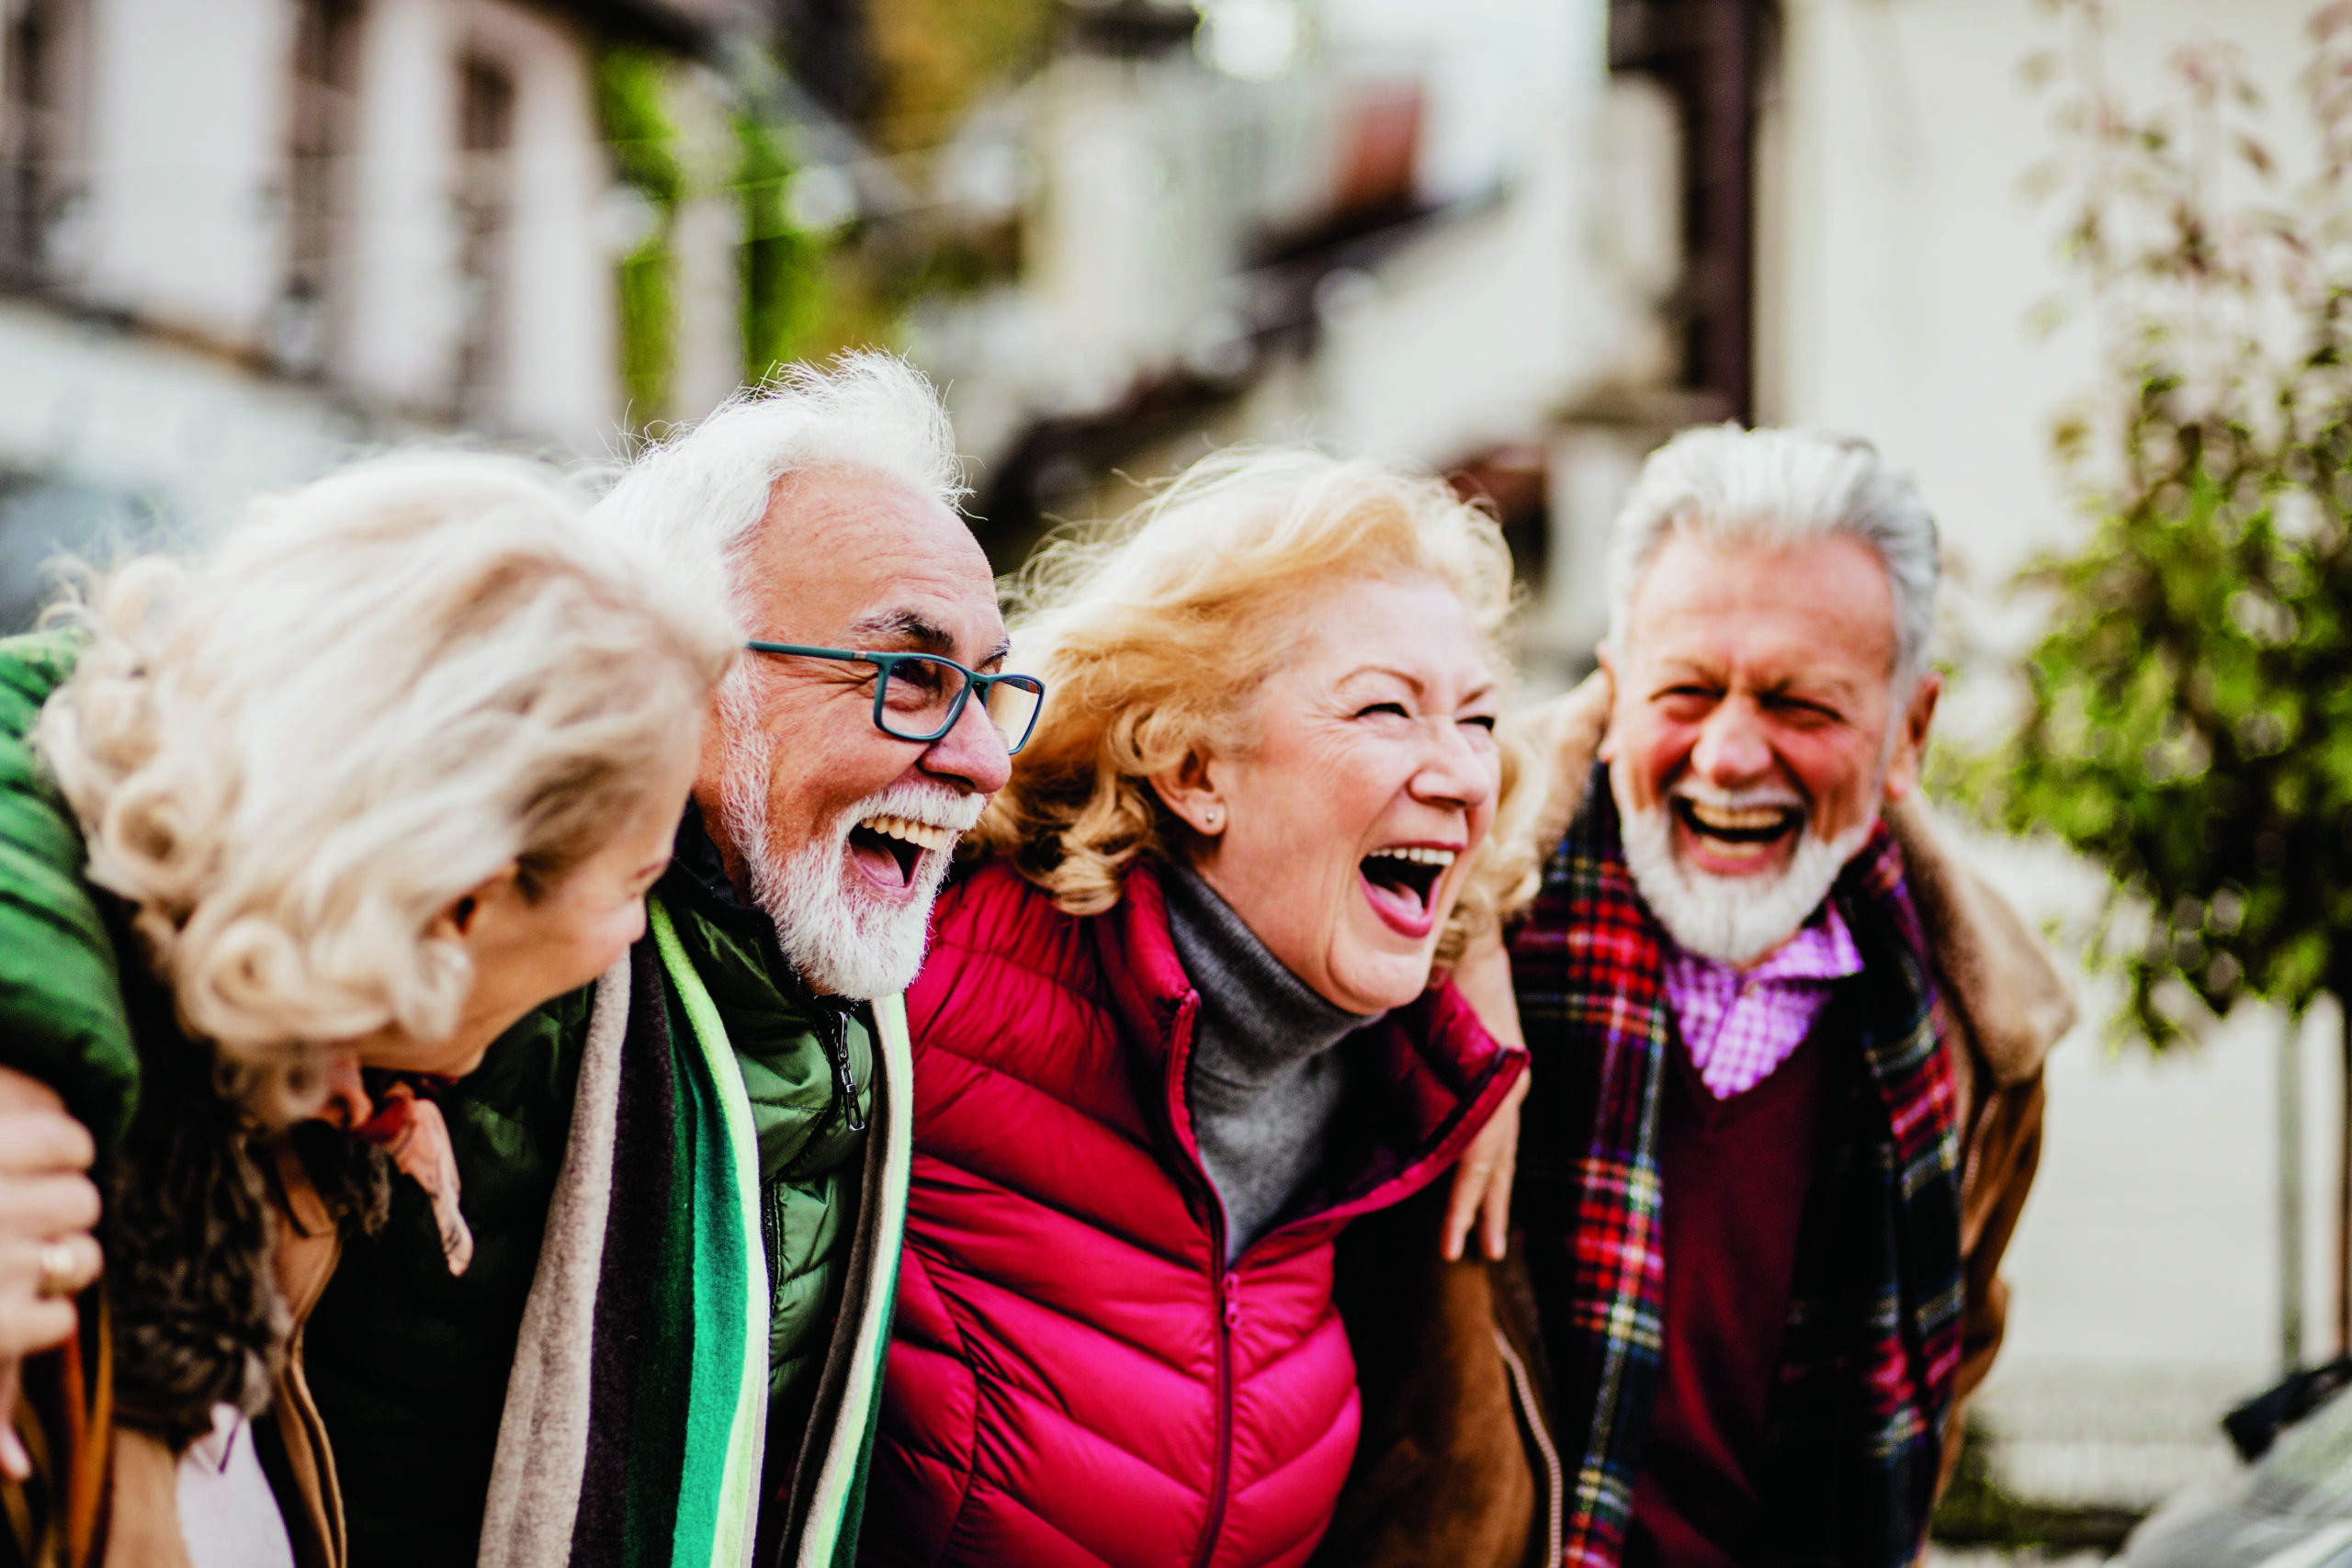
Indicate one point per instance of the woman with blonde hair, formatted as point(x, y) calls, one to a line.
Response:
point(1188, 1016)
point(389, 766)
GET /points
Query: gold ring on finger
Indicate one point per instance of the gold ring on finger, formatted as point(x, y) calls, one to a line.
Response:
point(59, 1274)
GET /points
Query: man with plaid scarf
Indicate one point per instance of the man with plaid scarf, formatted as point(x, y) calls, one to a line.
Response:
point(1787, 1093)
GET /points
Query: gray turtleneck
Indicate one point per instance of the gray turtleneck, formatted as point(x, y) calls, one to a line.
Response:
point(1263, 1083)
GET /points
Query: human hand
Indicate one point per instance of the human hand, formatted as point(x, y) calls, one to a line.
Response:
point(1481, 1182)
point(48, 1207)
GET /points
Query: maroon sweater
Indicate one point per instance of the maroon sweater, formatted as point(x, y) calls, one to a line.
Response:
point(1735, 1174)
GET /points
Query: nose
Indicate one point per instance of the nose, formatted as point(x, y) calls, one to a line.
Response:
point(971, 754)
point(1456, 774)
point(1732, 750)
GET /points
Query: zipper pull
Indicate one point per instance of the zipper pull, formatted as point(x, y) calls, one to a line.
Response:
point(845, 1084)
point(1232, 1301)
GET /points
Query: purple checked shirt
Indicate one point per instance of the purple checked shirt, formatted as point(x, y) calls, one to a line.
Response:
point(1741, 1023)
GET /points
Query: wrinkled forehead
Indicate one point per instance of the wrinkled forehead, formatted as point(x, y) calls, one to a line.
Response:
point(1415, 622)
point(1824, 604)
point(844, 556)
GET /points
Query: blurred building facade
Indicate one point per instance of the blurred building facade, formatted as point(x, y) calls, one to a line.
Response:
point(1444, 234)
point(242, 238)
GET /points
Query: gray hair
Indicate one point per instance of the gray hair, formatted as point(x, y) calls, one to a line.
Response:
point(1783, 485)
point(698, 498)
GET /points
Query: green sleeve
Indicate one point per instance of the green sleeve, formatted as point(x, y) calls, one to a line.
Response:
point(61, 1014)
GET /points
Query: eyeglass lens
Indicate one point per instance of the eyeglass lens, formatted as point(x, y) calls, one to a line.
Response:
point(917, 692)
point(1013, 709)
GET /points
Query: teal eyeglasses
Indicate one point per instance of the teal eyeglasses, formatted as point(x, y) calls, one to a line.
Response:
point(919, 697)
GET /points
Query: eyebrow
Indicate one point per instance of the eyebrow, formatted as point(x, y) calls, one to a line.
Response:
point(908, 626)
point(1805, 685)
point(927, 635)
point(1486, 688)
point(1361, 671)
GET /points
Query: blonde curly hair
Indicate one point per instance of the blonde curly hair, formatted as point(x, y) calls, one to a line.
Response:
point(369, 696)
point(1155, 635)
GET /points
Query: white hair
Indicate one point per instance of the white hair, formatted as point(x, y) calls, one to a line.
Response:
point(698, 498)
point(366, 699)
point(1783, 485)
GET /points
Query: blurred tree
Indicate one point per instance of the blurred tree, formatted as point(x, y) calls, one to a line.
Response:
point(780, 263)
point(909, 71)
point(933, 57)
point(630, 83)
point(2189, 721)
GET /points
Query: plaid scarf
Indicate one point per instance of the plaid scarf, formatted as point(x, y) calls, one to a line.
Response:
point(1854, 1432)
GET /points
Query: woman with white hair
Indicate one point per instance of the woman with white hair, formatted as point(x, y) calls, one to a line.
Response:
point(389, 767)
point(1187, 1017)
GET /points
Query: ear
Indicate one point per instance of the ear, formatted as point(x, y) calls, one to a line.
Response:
point(1190, 790)
point(1911, 745)
point(455, 923)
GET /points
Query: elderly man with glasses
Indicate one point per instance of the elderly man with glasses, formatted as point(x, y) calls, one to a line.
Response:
point(686, 1187)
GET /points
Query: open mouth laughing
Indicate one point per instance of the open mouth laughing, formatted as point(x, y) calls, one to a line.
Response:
point(890, 849)
point(1739, 833)
point(1401, 881)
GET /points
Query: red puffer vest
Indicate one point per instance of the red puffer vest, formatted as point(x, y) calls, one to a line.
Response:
point(1076, 1376)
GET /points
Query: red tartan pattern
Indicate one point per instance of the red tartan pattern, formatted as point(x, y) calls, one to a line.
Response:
point(1871, 1346)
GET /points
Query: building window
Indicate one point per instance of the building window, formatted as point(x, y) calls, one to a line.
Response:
point(485, 213)
point(43, 55)
point(318, 231)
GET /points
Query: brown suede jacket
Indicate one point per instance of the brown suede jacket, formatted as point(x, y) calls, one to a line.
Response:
point(1457, 1463)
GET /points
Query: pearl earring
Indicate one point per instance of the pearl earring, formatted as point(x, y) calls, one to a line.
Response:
point(1213, 815)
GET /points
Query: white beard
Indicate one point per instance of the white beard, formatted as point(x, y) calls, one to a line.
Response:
point(841, 939)
point(1733, 920)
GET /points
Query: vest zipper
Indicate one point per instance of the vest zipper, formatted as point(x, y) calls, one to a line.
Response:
point(1226, 1285)
point(1225, 1294)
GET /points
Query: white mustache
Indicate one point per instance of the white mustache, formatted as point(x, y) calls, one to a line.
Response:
point(930, 804)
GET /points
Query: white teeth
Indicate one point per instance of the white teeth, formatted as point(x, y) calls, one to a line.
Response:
point(1740, 821)
point(922, 835)
point(1414, 854)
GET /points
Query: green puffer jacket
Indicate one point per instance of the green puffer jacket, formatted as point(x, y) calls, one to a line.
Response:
point(407, 1364)
point(61, 1014)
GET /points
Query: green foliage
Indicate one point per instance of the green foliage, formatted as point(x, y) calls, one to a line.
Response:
point(782, 266)
point(2188, 720)
point(629, 87)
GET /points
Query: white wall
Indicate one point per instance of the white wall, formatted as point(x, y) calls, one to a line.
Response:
point(173, 423)
point(562, 355)
point(187, 140)
point(406, 309)
point(1911, 257)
